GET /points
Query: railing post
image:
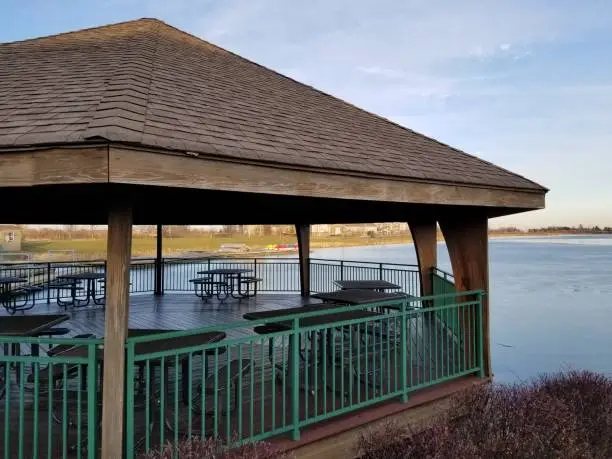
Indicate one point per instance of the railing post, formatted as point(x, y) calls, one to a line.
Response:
point(481, 363)
point(404, 352)
point(380, 271)
point(129, 401)
point(308, 267)
point(163, 275)
point(341, 269)
point(255, 267)
point(295, 380)
point(48, 282)
point(93, 391)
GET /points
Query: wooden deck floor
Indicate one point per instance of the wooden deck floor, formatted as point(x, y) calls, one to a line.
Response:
point(266, 403)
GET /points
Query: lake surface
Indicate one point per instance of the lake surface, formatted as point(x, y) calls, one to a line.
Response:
point(550, 300)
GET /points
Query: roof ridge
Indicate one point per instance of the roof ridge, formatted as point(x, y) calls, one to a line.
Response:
point(85, 29)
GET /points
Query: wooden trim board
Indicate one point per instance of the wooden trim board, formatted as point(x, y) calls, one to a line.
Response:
point(123, 165)
point(54, 166)
point(129, 166)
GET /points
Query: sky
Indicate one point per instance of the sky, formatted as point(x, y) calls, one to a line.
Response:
point(525, 84)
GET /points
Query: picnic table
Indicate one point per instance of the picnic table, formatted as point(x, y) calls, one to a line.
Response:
point(231, 282)
point(31, 326)
point(359, 296)
point(378, 285)
point(279, 320)
point(148, 347)
point(9, 296)
point(90, 291)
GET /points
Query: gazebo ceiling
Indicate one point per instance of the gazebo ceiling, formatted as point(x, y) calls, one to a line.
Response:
point(89, 204)
point(145, 104)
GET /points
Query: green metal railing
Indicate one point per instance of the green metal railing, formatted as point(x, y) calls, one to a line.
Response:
point(48, 403)
point(249, 387)
point(278, 274)
point(443, 283)
point(246, 387)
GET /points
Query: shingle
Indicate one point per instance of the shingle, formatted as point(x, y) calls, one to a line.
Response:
point(149, 83)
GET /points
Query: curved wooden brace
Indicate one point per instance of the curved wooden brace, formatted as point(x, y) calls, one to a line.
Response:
point(466, 237)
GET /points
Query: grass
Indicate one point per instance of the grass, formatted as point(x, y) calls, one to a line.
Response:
point(146, 246)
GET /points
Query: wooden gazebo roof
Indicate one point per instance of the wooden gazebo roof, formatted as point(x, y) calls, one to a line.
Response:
point(142, 103)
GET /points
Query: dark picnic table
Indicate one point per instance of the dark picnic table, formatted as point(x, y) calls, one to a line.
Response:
point(359, 296)
point(160, 345)
point(232, 277)
point(90, 291)
point(276, 316)
point(7, 298)
point(379, 285)
point(30, 326)
point(277, 321)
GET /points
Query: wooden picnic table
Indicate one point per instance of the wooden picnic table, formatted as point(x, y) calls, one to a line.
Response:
point(375, 284)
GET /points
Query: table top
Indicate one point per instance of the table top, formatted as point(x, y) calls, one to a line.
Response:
point(358, 296)
point(324, 319)
point(88, 275)
point(276, 313)
point(160, 345)
point(226, 271)
point(30, 325)
point(366, 285)
point(12, 279)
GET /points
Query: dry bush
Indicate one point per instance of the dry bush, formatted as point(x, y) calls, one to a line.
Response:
point(560, 416)
point(210, 448)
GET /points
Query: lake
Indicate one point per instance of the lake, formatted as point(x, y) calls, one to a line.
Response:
point(550, 300)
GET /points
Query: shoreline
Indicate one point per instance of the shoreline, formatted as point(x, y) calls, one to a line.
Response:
point(205, 246)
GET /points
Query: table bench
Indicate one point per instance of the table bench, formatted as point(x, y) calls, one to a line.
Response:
point(249, 282)
point(20, 298)
point(206, 287)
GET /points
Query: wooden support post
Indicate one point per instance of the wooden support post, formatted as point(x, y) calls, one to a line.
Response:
point(466, 237)
point(159, 265)
point(302, 232)
point(424, 235)
point(115, 328)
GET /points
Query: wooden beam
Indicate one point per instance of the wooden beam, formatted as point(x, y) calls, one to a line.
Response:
point(159, 264)
point(54, 166)
point(424, 235)
point(302, 232)
point(115, 328)
point(132, 166)
point(467, 242)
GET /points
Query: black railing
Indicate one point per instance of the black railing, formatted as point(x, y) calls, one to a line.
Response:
point(278, 275)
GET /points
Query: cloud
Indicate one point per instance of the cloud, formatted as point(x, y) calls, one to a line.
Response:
point(375, 70)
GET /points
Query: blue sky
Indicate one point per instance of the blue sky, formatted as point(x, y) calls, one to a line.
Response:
point(525, 84)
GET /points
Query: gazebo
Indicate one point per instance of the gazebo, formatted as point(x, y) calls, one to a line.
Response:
point(141, 123)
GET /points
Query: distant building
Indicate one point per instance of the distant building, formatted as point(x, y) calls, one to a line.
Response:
point(10, 239)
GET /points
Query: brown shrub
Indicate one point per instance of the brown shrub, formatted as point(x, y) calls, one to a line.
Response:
point(210, 448)
point(589, 397)
point(559, 416)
